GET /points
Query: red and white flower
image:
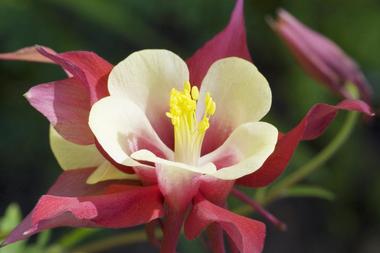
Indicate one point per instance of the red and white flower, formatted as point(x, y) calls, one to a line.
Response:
point(138, 142)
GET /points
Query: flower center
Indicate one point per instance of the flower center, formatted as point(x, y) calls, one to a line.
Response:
point(188, 131)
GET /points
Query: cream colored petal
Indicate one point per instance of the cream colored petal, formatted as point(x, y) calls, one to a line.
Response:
point(250, 144)
point(146, 155)
point(106, 171)
point(122, 128)
point(241, 93)
point(146, 77)
point(73, 156)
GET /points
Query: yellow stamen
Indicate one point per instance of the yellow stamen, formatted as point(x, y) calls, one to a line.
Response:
point(188, 131)
point(195, 92)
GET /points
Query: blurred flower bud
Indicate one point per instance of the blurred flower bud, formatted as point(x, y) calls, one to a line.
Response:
point(320, 57)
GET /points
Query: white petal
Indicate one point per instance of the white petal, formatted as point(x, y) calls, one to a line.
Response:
point(146, 155)
point(250, 144)
point(122, 128)
point(73, 156)
point(241, 93)
point(146, 77)
point(106, 171)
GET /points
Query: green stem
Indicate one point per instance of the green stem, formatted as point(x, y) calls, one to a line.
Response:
point(317, 161)
point(113, 242)
point(243, 210)
point(3, 235)
point(76, 236)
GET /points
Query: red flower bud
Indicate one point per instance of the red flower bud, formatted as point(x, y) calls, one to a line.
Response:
point(321, 57)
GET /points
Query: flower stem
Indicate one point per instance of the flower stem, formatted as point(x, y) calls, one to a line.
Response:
point(151, 229)
point(317, 161)
point(172, 229)
point(215, 238)
point(112, 242)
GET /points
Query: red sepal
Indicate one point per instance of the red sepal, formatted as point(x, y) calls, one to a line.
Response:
point(248, 235)
point(71, 202)
point(232, 41)
point(312, 126)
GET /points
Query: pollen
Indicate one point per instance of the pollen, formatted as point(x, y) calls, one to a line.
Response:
point(188, 131)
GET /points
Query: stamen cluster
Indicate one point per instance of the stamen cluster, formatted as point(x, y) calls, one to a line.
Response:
point(188, 131)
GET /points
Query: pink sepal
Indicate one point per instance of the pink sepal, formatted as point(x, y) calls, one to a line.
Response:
point(27, 54)
point(66, 105)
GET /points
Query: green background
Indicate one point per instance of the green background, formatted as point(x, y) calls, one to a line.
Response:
point(114, 29)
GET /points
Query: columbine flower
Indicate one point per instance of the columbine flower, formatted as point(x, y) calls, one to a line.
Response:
point(140, 142)
point(150, 88)
point(321, 57)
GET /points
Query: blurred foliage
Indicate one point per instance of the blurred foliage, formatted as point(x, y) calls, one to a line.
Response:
point(9, 221)
point(116, 28)
point(309, 191)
